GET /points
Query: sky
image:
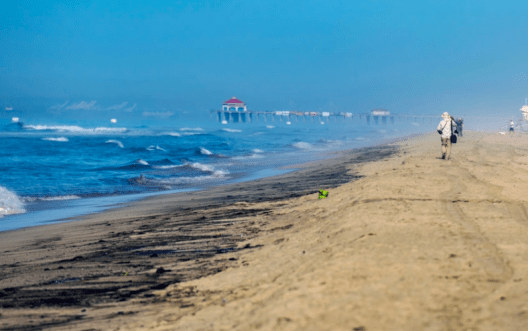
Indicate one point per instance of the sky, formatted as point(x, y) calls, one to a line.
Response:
point(73, 58)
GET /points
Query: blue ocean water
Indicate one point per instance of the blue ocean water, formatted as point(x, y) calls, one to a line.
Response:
point(57, 161)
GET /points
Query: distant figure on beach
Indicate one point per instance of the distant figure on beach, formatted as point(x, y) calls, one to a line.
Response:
point(512, 125)
point(460, 126)
point(445, 128)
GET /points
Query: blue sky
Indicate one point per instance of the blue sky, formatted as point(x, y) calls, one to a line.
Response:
point(466, 57)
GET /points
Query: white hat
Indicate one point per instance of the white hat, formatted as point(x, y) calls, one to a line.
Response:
point(445, 115)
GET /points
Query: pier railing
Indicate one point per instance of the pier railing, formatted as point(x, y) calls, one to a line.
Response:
point(225, 116)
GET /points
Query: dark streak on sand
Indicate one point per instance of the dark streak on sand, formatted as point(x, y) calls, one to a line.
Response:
point(191, 231)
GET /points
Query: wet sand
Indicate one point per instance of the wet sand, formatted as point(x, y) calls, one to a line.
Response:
point(405, 241)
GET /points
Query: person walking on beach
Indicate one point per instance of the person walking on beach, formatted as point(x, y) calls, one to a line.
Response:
point(512, 125)
point(460, 126)
point(445, 128)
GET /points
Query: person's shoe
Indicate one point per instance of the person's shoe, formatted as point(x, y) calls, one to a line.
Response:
point(443, 157)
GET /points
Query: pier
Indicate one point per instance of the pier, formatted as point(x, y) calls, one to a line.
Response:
point(290, 117)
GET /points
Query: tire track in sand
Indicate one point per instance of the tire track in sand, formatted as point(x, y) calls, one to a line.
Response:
point(482, 249)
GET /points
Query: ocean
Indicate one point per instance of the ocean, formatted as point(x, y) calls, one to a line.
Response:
point(54, 169)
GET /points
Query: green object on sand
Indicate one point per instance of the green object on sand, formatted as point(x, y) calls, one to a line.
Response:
point(323, 194)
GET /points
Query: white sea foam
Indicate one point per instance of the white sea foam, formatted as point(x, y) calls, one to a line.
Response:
point(173, 134)
point(191, 129)
point(117, 142)
point(74, 129)
point(168, 166)
point(303, 145)
point(62, 139)
point(195, 165)
point(190, 133)
point(58, 198)
point(10, 203)
point(202, 167)
point(252, 156)
point(152, 147)
point(143, 162)
point(270, 126)
point(256, 150)
point(190, 180)
point(333, 143)
point(231, 130)
point(64, 197)
point(205, 151)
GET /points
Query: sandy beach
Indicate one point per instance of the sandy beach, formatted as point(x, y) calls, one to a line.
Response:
point(405, 241)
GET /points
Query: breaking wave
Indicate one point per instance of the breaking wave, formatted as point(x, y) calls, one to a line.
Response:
point(152, 147)
point(191, 129)
point(202, 167)
point(62, 139)
point(205, 151)
point(231, 130)
point(117, 142)
point(74, 129)
point(173, 134)
point(10, 203)
point(195, 165)
point(303, 145)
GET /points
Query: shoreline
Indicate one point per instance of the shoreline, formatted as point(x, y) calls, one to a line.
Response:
point(75, 209)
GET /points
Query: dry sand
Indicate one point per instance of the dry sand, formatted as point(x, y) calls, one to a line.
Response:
point(411, 242)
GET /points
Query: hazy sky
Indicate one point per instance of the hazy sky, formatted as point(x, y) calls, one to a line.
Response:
point(407, 56)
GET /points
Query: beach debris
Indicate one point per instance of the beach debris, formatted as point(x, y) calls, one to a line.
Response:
point(323, 194)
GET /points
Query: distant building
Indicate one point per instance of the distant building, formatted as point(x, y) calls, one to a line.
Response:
point(379, 112)
point(524, 111)
point(234, 104)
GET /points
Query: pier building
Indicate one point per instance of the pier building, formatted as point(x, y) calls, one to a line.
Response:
point(234, 104)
